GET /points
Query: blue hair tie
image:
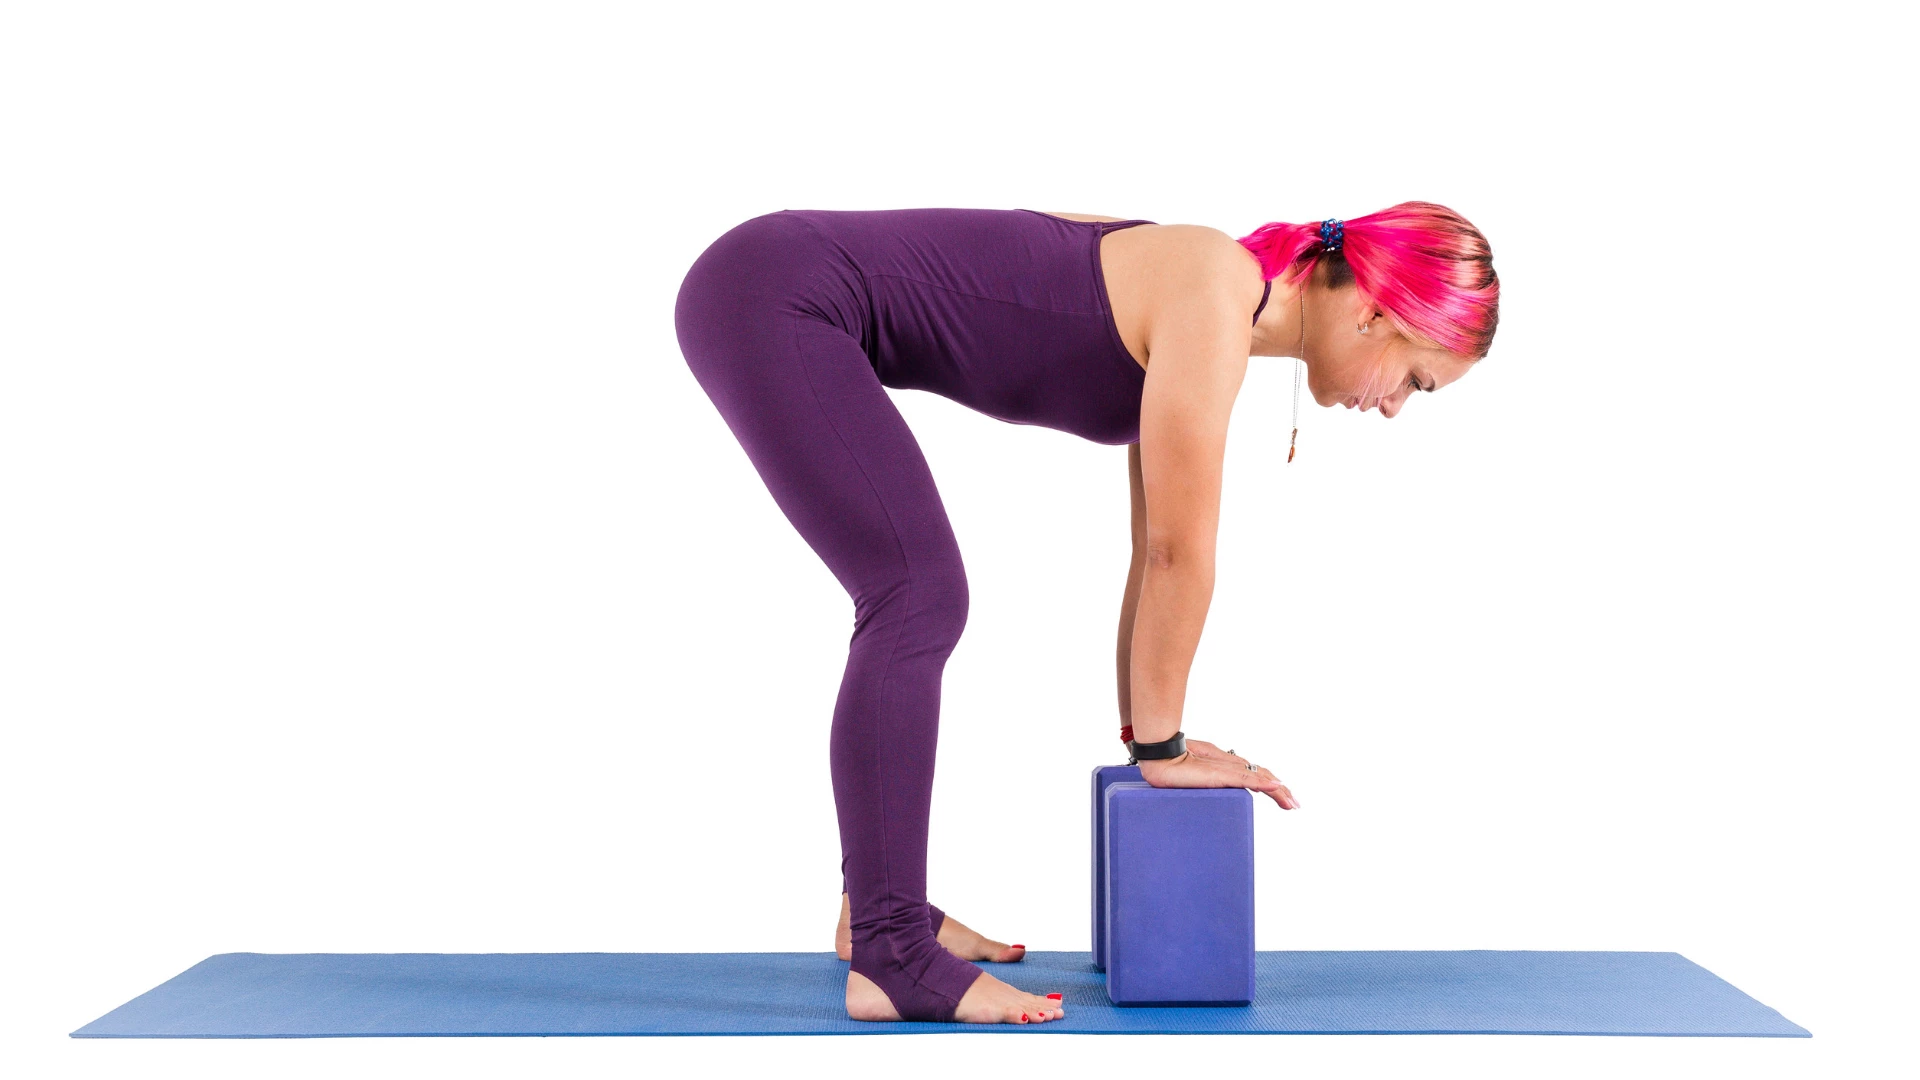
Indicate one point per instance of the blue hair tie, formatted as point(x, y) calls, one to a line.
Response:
point(1333, 233)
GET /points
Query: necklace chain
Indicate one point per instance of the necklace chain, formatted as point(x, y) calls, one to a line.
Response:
point(1298, 364)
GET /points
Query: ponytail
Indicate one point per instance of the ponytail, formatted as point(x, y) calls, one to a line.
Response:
point(1427, 267)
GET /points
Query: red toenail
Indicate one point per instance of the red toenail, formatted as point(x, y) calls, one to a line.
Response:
point(1023, 1016)
point(1056, 997)
point(1016, 946)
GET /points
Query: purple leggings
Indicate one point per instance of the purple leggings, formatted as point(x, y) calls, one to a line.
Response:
point(759, 319)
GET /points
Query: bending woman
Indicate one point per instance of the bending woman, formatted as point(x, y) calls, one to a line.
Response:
point(1121, 331)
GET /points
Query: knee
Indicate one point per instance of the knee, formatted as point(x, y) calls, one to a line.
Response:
point(928, 607)
point(940, 602)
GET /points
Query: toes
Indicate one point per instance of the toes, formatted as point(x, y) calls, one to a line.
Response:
point(1041, 1010)
point(1034, 1011)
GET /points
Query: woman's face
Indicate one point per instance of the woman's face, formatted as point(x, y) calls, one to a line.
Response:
point(1378, 369)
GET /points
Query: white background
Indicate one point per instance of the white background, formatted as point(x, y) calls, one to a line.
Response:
point(375, 577)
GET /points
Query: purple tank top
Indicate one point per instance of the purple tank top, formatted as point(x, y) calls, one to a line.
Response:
point(1003, 311)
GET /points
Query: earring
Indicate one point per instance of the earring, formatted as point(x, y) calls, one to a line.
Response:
point(1363, 328)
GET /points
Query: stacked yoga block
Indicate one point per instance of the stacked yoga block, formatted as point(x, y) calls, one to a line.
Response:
point(1172, 891)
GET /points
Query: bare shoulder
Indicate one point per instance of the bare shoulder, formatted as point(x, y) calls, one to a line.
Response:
point(1182, 266)
point(1199, 248)
point(1166, 281)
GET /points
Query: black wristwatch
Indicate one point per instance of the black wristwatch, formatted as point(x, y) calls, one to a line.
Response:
point(1157, 751)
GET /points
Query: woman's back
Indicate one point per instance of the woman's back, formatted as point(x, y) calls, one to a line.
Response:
point(1004, 311)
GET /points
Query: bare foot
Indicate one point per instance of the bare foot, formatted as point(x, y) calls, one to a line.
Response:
point(987, 1001)
point(960, 939)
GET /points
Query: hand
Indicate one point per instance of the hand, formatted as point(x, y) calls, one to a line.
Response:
point(1205, 765)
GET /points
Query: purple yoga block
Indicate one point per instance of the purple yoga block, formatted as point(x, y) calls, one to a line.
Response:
point(1179, 895)
point(1103, 777)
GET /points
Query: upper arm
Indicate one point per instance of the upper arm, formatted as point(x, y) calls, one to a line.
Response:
point(1197, 360)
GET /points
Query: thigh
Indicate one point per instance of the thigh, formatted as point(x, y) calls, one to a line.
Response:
point(805, 404)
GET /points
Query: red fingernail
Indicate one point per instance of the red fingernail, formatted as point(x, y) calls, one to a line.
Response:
point(1056, 997)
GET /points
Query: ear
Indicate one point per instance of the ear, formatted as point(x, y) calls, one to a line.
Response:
point(1366, 313)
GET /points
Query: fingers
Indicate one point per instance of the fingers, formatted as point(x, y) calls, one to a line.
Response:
point(1280, 794)
point(1261, 779)
point(1279, 791)
point(1199, 772)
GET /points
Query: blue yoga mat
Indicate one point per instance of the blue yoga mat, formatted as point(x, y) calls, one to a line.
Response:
point(312, 995)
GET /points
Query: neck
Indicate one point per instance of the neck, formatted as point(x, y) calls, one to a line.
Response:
point(1278, 331)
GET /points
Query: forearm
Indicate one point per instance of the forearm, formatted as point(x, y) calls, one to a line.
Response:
point(1168, 615)
point(1123, 653)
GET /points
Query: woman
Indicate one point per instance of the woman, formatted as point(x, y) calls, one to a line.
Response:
point(1121, 331)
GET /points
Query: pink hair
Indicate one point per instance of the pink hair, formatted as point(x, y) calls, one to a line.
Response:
point(1427, 267)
